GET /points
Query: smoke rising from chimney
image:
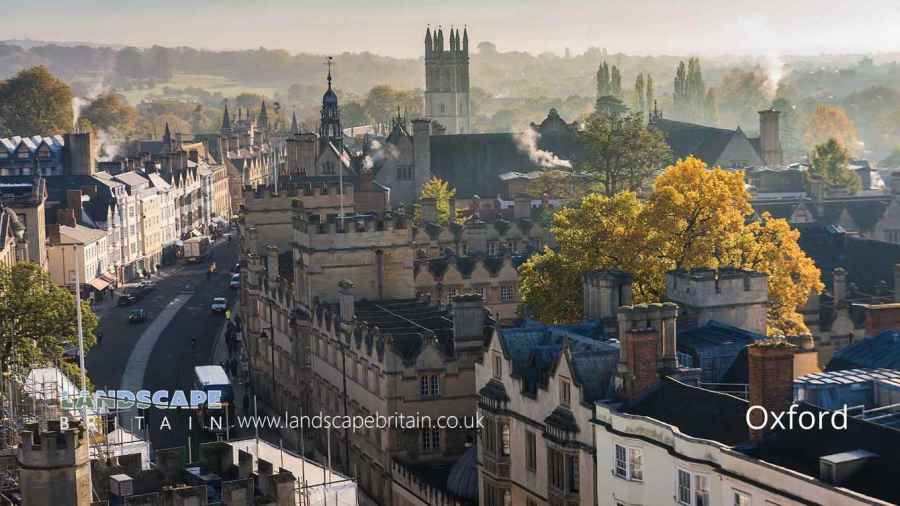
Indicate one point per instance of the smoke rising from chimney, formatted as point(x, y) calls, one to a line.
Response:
point(527, 143)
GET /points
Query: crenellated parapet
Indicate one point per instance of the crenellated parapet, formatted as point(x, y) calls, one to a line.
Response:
point(423, 490)
point(364, 339)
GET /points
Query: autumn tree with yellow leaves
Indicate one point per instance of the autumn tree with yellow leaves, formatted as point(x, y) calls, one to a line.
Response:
point(695, 217)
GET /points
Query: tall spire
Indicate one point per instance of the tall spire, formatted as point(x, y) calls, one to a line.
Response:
point(262, 120)
point(294, 128)
point(330, 63)
point(226, 120)
point(429, 46)
point(439, 41)
point(167, 137)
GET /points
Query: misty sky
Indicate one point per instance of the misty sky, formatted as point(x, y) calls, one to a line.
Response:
point(395, 27)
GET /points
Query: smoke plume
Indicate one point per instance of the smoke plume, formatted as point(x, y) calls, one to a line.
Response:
point(527, 143)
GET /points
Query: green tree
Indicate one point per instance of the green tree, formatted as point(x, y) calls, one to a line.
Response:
point(651, 102)
point(110, 112)
point(639, 95)
point(37, 320)
point(694, 218)
point(620, 152)
point(829, 162)
point(34, 102)
point(441, 191)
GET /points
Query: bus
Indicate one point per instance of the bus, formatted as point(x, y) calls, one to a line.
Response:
point(212, 378)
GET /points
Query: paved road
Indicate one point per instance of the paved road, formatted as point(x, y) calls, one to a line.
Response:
point(157, 355)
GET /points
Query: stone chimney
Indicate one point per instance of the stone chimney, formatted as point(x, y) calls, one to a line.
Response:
point(65, 217)
point(771, 378)
point(429, 209)
point(839, 285)
point(53, 233)
point(648, 347)
point(468, 317)
point(452, 205)
point(347, 303)
point(603, 292)
point(79, 154)
point(769, 138)
point(521, 206)
point(422, 150)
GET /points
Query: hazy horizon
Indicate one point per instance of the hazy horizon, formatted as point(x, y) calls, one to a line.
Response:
point(396, 27)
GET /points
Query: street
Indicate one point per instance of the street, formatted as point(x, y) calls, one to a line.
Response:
point(158, 353)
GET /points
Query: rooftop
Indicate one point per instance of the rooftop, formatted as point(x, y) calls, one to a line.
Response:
point(408, 322)
point(877, 352)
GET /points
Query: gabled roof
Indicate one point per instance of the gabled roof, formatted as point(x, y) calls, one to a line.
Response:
point(535, 348)
point(704, 142)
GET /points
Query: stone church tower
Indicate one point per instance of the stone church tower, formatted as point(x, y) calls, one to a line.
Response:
point(447, 80)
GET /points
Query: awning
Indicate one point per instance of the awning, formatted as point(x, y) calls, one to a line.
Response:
point(99, 284)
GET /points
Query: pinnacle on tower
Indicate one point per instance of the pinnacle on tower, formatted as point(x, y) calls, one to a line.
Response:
point(429, 45)
point(295, 129)
point(167, 137)
point(263, 118)
point(465, 40)
point(439, 42)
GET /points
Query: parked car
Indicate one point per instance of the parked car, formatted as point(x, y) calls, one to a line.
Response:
point(137, 316)
point(235, 281)
point(237, 268)
point(126, 300)
point(219, 305)
point(188, 288)
point(147, 285)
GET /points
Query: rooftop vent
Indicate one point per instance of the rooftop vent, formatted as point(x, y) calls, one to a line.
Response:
point(838, 467)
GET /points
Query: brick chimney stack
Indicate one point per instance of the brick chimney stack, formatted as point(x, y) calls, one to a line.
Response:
point(769, 138)
point(647, 337)
point(771, 378)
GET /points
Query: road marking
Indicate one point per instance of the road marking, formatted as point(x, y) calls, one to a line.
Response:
point(136, 367)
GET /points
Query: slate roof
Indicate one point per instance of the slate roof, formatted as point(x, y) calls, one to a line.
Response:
point(473, 163)
point(704, 142)
point(535, 348)
point(407, 321)
point(800, 450)
point(697, 412)
point(718, 349)
point(868, 263)
point(81, 234)
point(462, 480)
point(876, 352)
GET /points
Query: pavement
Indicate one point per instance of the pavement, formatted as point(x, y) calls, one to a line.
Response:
point(160, 354)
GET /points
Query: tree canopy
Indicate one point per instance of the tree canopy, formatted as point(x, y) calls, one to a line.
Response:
point(695, 217)
point(441, 191)
point(831, 122)
point(34, 102)
point(620, 152)
point(110, 112)
point(830, 162)
point(37, 320)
